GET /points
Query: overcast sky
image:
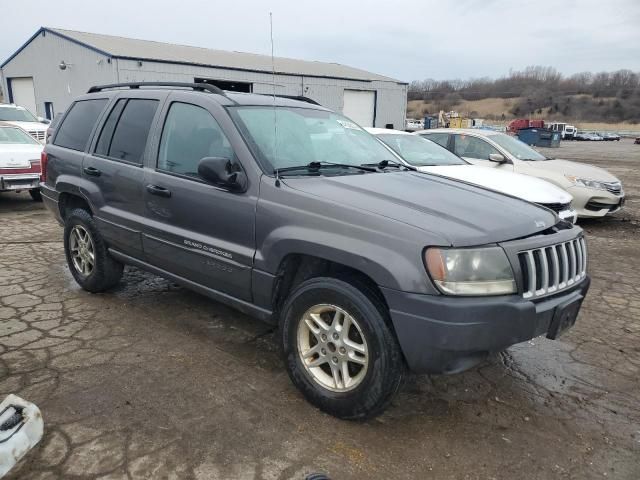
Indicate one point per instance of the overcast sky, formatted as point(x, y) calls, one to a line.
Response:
point(401, 39)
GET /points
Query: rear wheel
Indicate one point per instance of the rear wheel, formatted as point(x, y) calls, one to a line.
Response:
point(340, 349)
point(87, 256)
point(36, 195)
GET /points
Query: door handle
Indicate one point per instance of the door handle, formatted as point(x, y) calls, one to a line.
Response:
point(94, 172)
point(157, 190)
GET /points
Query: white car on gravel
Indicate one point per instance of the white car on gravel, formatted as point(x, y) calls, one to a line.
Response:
point(595, 191)
point(19, 161)
point(430, 157)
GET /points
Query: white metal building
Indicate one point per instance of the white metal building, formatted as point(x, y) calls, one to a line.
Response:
point(54, 66)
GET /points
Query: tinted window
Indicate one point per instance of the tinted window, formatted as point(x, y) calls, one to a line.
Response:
point(77, 125)
point(440, 138)
point(472, 147)
point(124, 135)
point(104, 141)
point(190, 134)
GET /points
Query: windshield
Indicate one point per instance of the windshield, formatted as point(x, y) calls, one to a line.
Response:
point(419, 151)
point(16, 115)
point(15, 135)
point(307, 135)
point(515, 147)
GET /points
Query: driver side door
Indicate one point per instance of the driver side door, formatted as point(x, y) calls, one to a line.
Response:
point(196, 230)
point(476, 150)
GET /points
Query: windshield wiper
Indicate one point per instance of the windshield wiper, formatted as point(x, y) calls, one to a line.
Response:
point(316, 166)
point(389, 163)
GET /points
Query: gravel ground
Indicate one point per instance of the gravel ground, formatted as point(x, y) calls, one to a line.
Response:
point(153, 381)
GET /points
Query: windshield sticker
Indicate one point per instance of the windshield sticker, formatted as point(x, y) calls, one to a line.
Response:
point(347, 124)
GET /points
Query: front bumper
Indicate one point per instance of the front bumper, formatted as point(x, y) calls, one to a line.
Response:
point(592, 203)
point(444, 334)
point(19, 182)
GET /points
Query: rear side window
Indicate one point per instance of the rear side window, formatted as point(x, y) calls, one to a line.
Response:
point(441, 139)
point(125, 132)
point(190, 134)
point(74, 131)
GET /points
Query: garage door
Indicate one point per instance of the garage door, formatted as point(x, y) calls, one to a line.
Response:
point(23, 93)
point(360, 106)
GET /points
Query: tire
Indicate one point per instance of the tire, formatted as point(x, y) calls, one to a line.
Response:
point(370, 392)
point(36, 195)
point(105, 271)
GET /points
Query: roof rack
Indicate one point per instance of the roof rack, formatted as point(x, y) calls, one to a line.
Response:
point(300, 98)
point(201, 87)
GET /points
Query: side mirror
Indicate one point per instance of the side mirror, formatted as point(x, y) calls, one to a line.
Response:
point(223, 173)
point(496, 157)
point(44, 120)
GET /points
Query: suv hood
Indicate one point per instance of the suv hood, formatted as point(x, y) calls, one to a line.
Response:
point(526, 187)
point(580, 170)
point(457, 212)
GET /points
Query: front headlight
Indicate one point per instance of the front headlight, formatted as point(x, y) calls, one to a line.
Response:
point(582, 182)
point(470, 271)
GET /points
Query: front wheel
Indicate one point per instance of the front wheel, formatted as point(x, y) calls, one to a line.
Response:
point(340, 349)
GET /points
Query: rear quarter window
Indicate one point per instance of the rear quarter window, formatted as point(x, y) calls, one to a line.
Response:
point(76, 127)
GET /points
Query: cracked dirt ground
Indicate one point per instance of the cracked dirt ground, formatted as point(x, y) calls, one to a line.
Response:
point(153, 381)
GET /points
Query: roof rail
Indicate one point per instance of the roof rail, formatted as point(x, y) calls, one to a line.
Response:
point(300, 98)
point(201, 87)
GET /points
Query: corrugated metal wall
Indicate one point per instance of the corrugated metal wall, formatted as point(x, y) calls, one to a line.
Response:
point(41, 59)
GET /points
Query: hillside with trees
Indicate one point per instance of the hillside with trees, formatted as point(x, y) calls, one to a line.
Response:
point(537, 92)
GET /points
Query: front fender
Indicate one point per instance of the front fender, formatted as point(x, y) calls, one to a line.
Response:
point(387, 267)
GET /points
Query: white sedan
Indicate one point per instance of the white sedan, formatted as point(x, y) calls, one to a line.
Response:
point(595, 191)
point(430, 157)
point(19, 161)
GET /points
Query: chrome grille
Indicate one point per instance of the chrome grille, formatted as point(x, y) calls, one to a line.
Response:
point(553, 268)
point(613, 187)
point(38, 134)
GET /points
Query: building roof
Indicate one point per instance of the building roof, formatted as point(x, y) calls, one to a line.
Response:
point(134, 49)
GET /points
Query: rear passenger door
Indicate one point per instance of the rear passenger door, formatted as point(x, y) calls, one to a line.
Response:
point(114, 165)
point(196, 230)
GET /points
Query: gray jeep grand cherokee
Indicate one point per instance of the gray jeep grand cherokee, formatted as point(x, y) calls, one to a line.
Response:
point(292, 213)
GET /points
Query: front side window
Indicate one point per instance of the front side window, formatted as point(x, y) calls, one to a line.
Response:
point(15, 135)
point(11, 114)
point(289, 137)
point(472, 147)
point(77, 125)
point(125, 132)
point(190, 134)
point(517, 148)
point(419, 151)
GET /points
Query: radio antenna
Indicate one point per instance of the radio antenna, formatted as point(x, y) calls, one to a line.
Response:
point(275, 113)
